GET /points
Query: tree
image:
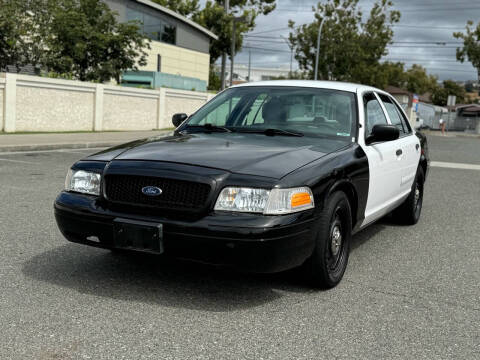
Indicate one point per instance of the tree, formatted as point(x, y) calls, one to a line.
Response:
point(214, 18)
point(84, 39)
point(214, 81)
point(21, 32)
point(450, 87)
point(418, 81)
point(471, 45)
point(350, 48)
point(182, 7)
point(10, 34)
point(469, 87)
point(388, 73)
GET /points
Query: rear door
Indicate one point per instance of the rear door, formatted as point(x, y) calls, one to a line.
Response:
point(408, 144)
point(384, 168)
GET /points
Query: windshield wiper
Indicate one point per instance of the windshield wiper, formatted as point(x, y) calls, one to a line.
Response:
point(209, 127)
point(270, 132)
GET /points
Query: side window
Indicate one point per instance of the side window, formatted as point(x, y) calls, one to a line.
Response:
point(393, 113)
point(405, 123)
point(373, 112)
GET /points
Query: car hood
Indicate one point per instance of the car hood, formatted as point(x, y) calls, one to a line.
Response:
point(251, 154)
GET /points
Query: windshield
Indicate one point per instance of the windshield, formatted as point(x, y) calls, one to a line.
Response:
point(309, 111)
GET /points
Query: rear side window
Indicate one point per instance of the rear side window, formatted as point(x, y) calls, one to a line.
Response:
point(396, 115)
point(373, 113)
point(393, 113)
point(405, 123)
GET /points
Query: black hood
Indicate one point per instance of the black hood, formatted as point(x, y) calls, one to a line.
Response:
point(251, 154)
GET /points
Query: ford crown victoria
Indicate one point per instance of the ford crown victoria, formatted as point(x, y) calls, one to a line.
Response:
point(265, 177)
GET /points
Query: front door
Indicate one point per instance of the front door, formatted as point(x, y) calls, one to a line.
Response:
point(409, 144)
point(384, 161)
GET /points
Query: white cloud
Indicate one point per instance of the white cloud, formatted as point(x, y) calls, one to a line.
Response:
point(435, 21)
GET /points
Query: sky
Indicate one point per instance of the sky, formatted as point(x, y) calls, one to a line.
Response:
point(426, 21)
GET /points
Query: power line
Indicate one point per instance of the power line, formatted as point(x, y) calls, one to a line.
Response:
point(276, 40)
point(399, 9)
point(393, 25)
point(429, 27)
point(422, 60)
point(423, 47)
point(440, 69)
point(264, 49)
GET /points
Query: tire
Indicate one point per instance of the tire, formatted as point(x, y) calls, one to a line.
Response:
point(326, 266)
point(409, 212)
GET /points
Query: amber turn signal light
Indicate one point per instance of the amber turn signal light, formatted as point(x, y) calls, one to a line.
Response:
point(300, 199)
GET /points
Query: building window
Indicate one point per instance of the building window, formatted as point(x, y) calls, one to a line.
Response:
point(153, 27)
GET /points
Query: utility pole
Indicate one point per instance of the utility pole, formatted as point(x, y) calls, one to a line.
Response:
point(232, 51)
point(291, 56)
point(249, 64)
point(224, 55)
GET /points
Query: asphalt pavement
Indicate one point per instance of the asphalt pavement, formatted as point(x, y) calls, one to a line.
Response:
point(408, 293)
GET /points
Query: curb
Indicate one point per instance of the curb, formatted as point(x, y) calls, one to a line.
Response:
point(454, 135)
point(76, 145)
point(57, 146)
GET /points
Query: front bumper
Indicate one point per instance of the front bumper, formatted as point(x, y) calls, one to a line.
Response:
point(248, 242)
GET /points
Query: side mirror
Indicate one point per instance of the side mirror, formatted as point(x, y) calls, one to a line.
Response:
point(383, 133)
point(177, 119)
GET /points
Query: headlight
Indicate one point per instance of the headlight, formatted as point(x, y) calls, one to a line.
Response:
point(242, 199)
point(268, 202)
point(83, 182)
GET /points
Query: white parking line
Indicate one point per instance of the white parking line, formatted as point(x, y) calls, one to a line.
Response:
point(18, 161)
point(450, 165)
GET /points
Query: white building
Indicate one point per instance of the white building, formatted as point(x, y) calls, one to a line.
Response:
point(240, 73)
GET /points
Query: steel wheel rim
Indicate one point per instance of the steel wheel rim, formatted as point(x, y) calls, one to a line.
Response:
point(417, 199)
point(336, 243)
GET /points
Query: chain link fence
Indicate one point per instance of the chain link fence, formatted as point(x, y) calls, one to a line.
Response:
point(469, 124)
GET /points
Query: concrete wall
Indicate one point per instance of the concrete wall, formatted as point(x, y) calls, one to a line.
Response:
point(31, 103)
point(129, 110)
point(188, 101)
point(2, 87)
point(46, 105)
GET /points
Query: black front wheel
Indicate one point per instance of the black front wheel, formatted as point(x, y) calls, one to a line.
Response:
point(326, 266)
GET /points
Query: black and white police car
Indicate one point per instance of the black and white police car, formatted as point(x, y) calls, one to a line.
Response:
point(265, 177)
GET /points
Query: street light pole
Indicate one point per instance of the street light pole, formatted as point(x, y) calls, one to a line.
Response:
point(234, 29)
point(318, 48)
point(224, 55)
point(339, 8)
point(291, 55)
point(249, 64)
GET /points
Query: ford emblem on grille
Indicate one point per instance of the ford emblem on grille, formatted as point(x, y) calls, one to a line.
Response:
point(151, 191)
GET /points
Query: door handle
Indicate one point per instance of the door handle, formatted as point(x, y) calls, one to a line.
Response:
point(417, 146)
point(399, 152)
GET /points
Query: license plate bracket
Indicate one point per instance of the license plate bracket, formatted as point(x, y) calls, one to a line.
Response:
point(138, 236)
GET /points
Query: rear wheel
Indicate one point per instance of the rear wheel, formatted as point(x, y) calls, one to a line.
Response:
point(326, 266)
point(409, 212)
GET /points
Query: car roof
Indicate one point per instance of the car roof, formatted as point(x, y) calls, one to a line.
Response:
point(333, 85)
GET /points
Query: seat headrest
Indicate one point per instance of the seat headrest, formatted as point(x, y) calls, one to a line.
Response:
point(274, 111)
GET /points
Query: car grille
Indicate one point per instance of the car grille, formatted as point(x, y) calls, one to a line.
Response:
point(176, 194)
